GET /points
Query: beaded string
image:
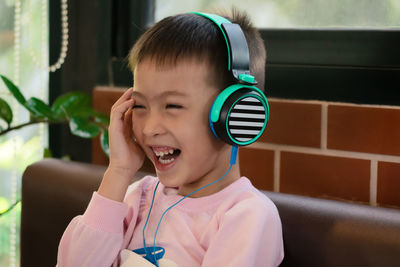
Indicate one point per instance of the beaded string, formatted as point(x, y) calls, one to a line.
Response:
point(14, 185)
point(42, 62)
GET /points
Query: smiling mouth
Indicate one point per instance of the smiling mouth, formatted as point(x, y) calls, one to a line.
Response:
point(166, 155)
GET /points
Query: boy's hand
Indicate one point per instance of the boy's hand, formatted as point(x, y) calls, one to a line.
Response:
point(126, 156)
point(125, 153)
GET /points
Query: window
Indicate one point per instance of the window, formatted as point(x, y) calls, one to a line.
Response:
point(24, 146)
point(341, 50)
point(298, 13)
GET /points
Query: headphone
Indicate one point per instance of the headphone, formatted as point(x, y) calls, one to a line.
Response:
point(240, 112)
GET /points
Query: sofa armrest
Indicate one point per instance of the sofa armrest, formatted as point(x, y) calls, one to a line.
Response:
point(329, 233)
point(53, 192)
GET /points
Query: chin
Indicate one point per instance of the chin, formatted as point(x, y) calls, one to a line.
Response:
point(170, 185)
point(167, 181)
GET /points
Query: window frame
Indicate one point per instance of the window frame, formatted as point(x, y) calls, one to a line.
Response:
point(343, 64)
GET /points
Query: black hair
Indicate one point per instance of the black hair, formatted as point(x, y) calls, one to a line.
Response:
point(190, 36)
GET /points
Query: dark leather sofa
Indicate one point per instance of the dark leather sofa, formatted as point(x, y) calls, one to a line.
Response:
point(316, 232)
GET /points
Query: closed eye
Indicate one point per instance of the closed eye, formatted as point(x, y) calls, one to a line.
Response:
point(174, 106)
point(137, 106)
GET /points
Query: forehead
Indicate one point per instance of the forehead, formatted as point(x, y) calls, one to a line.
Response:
point(174, 62)
point(182, 78)
point(162, 94)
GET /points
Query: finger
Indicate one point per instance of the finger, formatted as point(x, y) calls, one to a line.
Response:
point(128, 124)
point(117, 128)
point(118, 111)
point(125, 96)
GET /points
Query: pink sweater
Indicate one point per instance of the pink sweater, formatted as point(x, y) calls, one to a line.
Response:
point(237, 226)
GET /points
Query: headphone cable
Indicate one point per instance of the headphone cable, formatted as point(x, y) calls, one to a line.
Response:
point(232, 162)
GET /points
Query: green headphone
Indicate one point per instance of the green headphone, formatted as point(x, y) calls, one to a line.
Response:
point(240, 112)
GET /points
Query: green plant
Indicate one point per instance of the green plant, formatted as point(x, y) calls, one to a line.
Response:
point(73, 108)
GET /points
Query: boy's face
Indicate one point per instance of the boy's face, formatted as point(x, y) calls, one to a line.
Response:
point(170, 123)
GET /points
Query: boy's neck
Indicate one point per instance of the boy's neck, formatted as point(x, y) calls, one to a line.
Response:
point(231, 177)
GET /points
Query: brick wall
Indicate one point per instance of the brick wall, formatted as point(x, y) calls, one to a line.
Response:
point(320, 149)
point(328, 150)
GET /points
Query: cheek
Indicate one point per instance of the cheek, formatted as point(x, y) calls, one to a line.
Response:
point(199, 123)
point(201, 131)
point(136, 126)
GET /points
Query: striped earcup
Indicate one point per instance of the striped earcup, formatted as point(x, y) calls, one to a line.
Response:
point(242, 117)
point(247, 119)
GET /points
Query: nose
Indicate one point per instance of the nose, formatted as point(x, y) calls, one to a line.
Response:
point(153, 125)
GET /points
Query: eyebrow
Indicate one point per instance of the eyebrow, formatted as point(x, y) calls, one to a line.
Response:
point(136, 93)
point(162, 95)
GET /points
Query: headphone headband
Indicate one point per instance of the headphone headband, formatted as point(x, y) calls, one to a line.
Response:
point(238, 51)
point(240, 113)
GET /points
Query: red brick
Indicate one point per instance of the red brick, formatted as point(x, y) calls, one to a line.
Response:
point(364, 129)
point(293, 123)
point(325, 176)
point(258, 166)
point(388, 184)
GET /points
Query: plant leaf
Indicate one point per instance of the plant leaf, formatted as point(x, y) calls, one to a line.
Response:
point(101, 118)
point(5, 112)
point(14, 90)
point(71, 104)
point(104, 142)
point(66, 157)
point(83, 127)
point(47, 153)
point(39, 108)
point(83, 112)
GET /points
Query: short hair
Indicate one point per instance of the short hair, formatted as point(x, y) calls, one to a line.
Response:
point(190, 36)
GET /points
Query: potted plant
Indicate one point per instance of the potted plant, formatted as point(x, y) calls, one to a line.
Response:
point(72, 108)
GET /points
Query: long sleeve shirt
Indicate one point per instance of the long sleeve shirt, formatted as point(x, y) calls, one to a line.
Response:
point(237, 226)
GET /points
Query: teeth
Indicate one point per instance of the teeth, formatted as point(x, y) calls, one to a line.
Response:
point(163, 153)
point(165, 161)
point(160, 155)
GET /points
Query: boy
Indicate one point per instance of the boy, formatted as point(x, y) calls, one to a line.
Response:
point(179, 66)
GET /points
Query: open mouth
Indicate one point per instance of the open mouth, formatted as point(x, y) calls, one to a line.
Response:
point(166, 155)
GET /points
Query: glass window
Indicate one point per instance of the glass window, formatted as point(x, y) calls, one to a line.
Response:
point(23, 46)
point(298, 13)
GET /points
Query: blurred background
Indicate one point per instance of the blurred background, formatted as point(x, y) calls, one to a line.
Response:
point(342, 50)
